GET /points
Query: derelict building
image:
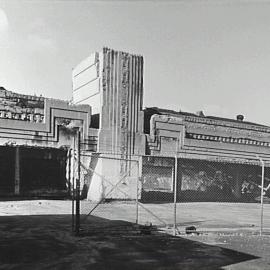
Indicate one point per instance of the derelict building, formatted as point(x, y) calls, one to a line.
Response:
point(217, 158)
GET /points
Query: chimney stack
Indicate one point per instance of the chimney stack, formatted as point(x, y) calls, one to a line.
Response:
point(200, 113)
point(240, 117)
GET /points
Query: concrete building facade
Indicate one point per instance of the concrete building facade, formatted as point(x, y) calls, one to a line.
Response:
point(218, 158)
point(36, 134)
point(213, 158)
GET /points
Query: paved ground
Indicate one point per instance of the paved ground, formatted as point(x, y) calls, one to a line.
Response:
point(36, 235)
point(207, 216)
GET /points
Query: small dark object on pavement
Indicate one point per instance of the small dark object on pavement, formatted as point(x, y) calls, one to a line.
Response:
point(191, 229)
point(146, 229)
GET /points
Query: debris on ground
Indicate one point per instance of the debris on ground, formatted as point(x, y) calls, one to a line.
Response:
point(146, 228)
point(191, 230)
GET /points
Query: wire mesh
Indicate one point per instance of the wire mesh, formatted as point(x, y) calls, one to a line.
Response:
point(171, 193)
point(206, 195)
point(110, 191)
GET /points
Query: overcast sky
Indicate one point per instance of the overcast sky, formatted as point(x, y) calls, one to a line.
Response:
point(199, 55)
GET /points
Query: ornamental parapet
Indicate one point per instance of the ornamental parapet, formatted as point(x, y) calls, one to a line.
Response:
point(218, 122)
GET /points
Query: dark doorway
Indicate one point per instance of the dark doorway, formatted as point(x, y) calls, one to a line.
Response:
point(7, 161)
point(43, 171)
point(39, 171)
point(95, 121)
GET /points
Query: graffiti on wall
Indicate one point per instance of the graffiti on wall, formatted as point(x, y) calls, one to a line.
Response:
point(204, 181)
point(157, 178)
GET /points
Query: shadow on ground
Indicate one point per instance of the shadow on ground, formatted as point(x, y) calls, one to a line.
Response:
point(46, 242)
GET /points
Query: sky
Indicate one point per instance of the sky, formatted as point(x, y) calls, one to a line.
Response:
point(207, 55)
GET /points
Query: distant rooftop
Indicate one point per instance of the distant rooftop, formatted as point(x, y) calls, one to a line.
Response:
point(200, 114)
point(10, 94)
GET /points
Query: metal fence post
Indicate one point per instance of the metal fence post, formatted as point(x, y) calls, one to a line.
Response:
point(262, 194)
point(139, 179)
point(73, 182)
point(175, 193)
point(262, 191)
point(137, 200)
point(77, 224)
point(69, 171)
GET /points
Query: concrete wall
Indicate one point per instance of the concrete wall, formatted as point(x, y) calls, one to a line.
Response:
point(200, 180)
point(122, 116)
point(37, 125)
point(111, 82)
point(54, 131)
point(104, 179)
point(212, 140)
point(87, 82)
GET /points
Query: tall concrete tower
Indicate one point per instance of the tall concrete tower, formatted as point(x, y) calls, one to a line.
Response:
point(111, 82)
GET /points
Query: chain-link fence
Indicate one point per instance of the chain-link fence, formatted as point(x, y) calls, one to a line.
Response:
point(109, 189)
point(172, 194)
point(206, 195)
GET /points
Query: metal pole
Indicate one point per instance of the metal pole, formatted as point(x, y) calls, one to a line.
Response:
point(175, 193)
point(77, 224)
point(73, 181)
point(175, 181)
point(262, 191)
point(137, 195)
point(69, 171)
